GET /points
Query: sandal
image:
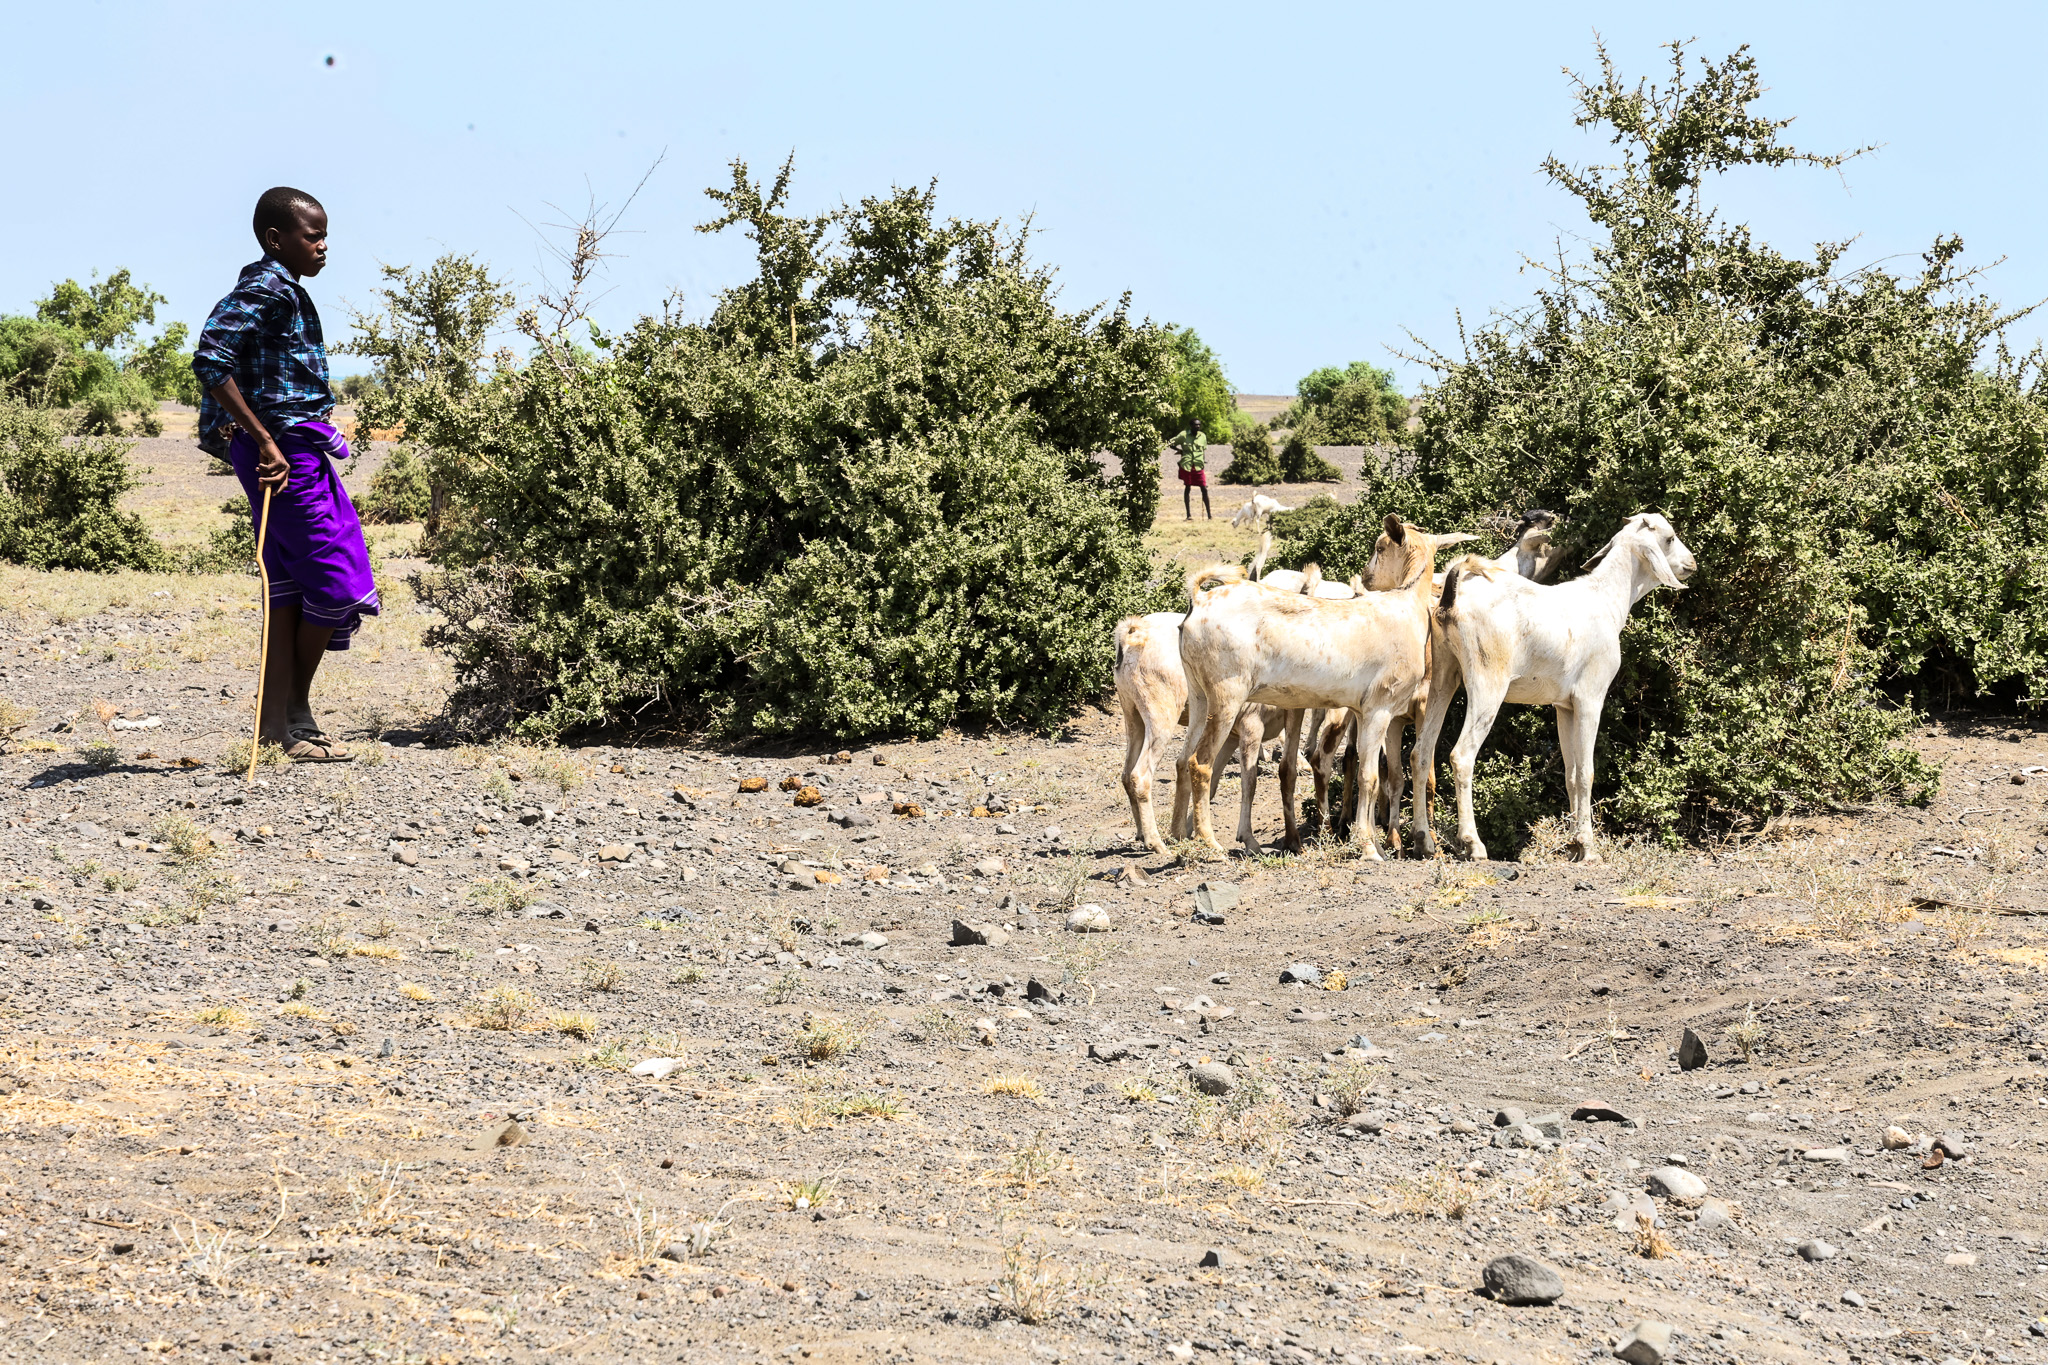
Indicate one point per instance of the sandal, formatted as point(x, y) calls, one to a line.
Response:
point(309, 745)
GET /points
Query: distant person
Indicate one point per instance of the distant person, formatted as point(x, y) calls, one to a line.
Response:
point(262, 365)
point(1194, 459)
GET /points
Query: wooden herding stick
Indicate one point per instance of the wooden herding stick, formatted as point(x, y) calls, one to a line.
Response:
point(263, 648)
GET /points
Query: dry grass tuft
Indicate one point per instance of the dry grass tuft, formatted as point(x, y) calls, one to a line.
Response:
point(182, 834)
point(825, 1039)
point(799, 1195)
point(601, 976)
point(222, 1016)
point(1350, 1087)
point(1443, 1191)
point(500, 896)
point(504, 1008)
point(1649, 1241)
point(582, 1026)
point(1032, 1163)
point(235, 757)
point(1749, 1034)
point(1016, 1085)
point(1034, 1287)
point(1237, 1174)
point(414, 991)
point(300, 1009)
point(383, 952)
point(1137, 1091)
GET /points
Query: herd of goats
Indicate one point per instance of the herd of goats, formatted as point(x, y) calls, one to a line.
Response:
point(1259, 653)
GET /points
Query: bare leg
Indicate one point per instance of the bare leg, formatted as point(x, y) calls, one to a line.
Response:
point(1372, 734)
point(1206, 513)
point(1186, 794)
point(1187, 499)
point(1480, 713)
point(1141, 753)
point(294, 657)
point(1205, 744)
point(1249, 739)
point(1443, 686)
point(1578, 746)
point(1290, 764)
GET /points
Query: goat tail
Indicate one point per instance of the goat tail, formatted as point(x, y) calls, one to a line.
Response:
point(1449, 601)
point(1203, 577)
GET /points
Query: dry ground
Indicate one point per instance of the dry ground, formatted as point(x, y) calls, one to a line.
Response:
point(260, 1042)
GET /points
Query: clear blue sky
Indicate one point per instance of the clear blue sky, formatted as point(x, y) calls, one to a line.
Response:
point(1298, 182)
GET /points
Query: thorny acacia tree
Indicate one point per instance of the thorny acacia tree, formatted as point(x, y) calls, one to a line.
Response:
point(1854, 457)
point(861, 497)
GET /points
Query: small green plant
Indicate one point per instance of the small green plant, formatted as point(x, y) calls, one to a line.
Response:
point(100, 754)
point(935, 1024)
point(1350, 1087)
point(1137, 1091)
point(182, 835)
point(610, 1055)
point(300, 988)
point(691, 975)
point(799, 1195)
point(499, 787)
point(222, 1016)
point(869, 1104)
point(235, 757)
point(787, 987)
point(582, 1026)
point(1749, 1033)
point(1032, 1163)
point(120, 881)
point(1034, 1287)
point(1442, 1191)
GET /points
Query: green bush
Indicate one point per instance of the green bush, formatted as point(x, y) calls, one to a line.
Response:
point(399, 491)
point(1357, 405)
point(891, 521)
point(230, 549)
point(1854, 459)
point(1252, 460)
point(60, 499)
point(1299, 463)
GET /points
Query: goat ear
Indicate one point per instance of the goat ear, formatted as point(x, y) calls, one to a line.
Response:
point(1454, 538)
point(1653, 555)
point(1396, 532)
point(1601, 553)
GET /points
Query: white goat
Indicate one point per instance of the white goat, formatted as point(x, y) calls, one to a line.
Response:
point(1243, 643)
point(1255, 512)
point(1152, 694)
point(1530, 553)
point(1517, 641)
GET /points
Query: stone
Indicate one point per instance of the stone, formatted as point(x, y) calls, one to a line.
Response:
point(614, 853)
point(1519, 1279)
point(1960, 1258)
point(1669, 1182)
point(851, 819)
point(753, 784)
point(1814, 1249)
point(1133, 875)
point(1214, 898)
point(1826, 1155)
point(1752, 1087)
point(1034, 989)
point(1952, 1145)
point(386, 1048)
point(1692, 1053)
point(1599, 1111)
point(1508, 1117)
point(657, 1068)
point(790, 867)
point(821, 876)
point(1215, 1258)
point(803, 879)
point(968, 933)
point(1647, 1343)
point(1089, 919)
point(991, 867)
point(495, 1135)
point(1854, 1299)
point(872, 941)
point(1715, 1213)
point(807, 796)
point(1895, 1139)
point(1213, 1078)
point(1550, 1125)
point(1303, 972)
point(1625, 1205)
point(1109, 1052)
point(407, 857)
point(1365, 1123)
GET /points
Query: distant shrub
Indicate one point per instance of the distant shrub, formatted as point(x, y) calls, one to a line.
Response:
point(230, 549)
point(861, 498)
point(1252, 460)
point(60, 500)
point(1299, 462)
point(399, 491)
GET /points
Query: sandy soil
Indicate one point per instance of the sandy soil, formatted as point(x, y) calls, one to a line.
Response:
point(262, 1045)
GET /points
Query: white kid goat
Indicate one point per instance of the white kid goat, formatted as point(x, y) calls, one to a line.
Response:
point(1255, 512)
point(1152, 695)
point(1517, 641)
point(1242, 643)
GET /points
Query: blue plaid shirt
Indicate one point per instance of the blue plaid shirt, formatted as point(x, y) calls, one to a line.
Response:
point(266, 337)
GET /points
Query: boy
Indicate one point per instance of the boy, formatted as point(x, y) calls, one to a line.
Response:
point(262, 366)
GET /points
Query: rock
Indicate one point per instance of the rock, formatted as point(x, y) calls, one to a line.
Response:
point(803, 879)
point(991, 867)
point(1715, 1213)
point(977, 932)
point(807, 796)
point(494, 1135)
point(1133, 875)
point(821, 876)
point(1365, 1123)
point(1752, 1087)
point(1304, 972)
point(753, 784)
point(1215, 1258)
point(1952, 1145)
point(406, 856)
point(789, 867)
point(615, 853)
point(1464, 1127)
point(1518, 1279)
point(1109, 1052)
point(852, 819)
point(386, 1048)
point(1854, 1299)
point(1213, 898)
point(1509, 1117)
point(872, 941)
point(1213, 1078)
point(1814, 1249)
point(1089, 919)
point(1647, 1343)
point(1933, 1161)
point(1625, 1205)
point(1034, 989)
point(1692, 1053)
point(1599, 1111)
point(1895, 1139)
point(1828, 1155)
point(1960, 1258)
point(1550, 1125)
point(1669, 1182)
point(909, 808)
point(1095, 1088)
point(657, 1068)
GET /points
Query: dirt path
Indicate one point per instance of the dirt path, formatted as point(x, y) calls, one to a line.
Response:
point(261, 1043)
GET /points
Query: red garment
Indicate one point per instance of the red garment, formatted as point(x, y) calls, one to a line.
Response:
point(1195, 478)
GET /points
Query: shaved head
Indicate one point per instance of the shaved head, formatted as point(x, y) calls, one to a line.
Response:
point(280, 208)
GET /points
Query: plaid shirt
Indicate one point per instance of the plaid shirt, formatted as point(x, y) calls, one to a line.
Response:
point(266, 336)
